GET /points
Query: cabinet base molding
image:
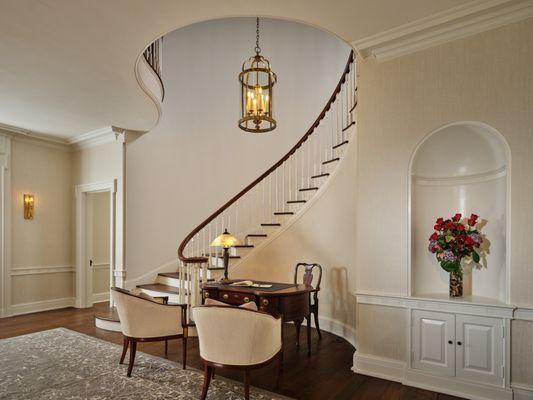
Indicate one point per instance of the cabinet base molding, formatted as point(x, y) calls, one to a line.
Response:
point(397, 371)
point(522, 391)
point(455, 387)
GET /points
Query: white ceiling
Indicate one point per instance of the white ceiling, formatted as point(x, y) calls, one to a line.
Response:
point(67, 66)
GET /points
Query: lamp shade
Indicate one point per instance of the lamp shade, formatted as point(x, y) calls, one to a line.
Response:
point(226, 240)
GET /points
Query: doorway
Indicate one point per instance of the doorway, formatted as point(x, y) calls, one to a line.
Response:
point(95, 242)
point(97, 245)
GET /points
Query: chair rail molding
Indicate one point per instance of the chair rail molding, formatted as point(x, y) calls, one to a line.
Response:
point(41, 269)
point(465, 20)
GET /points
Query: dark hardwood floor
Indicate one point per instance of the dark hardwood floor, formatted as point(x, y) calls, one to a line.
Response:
point(324, 375)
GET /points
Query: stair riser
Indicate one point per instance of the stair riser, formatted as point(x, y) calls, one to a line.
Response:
point(307, 195)
point(330, 167)
point(165, 280)
point(255, 240)
point(269, 229)
point(282, 219)
point(219, 262)
point(172, 298)
point(243, 251)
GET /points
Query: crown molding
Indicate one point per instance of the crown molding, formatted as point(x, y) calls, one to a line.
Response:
point(90, 139)
point(474, 17)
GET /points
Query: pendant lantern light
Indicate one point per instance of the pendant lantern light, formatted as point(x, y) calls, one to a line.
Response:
point(257, 80)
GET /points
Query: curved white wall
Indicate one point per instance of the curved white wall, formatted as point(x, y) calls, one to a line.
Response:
point(197, 158)
point(461, 168)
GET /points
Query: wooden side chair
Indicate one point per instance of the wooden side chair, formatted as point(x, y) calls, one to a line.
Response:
point(145, 319)
point(309, 274)
point(237, 338)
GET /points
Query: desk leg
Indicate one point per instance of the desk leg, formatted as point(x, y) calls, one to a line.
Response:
point(298, 325)
point(308, 318)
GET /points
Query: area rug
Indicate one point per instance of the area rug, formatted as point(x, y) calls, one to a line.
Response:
point(63, 364)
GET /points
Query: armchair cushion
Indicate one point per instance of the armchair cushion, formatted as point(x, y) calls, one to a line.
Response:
point(236, 336)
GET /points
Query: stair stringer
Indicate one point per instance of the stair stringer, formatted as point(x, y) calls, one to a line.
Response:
point(238, 266)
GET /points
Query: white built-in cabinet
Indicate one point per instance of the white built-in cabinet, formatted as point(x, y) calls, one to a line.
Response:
point(454, 345)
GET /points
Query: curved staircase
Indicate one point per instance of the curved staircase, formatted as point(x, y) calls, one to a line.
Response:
point(264, 207)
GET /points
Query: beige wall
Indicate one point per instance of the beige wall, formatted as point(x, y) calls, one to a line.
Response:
point(45, 241)
point(324, 234)
point(484, 78)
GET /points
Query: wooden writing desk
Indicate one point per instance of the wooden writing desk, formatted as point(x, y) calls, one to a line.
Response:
point(289, 301)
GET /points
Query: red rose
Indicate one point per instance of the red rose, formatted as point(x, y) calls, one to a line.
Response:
point(473, 217)
point(450, 225)
point(434, 236)
point(437, 227)
point(456, 217)
point(460, 227)
point(440, 221)
point(469, 241)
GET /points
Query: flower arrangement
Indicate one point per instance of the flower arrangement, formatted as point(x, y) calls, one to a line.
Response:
point(455, 240)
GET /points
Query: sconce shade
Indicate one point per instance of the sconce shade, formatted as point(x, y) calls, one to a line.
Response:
point(29, 201)
point(226, 240)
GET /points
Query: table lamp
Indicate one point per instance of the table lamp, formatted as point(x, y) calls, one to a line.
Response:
point(226, 240)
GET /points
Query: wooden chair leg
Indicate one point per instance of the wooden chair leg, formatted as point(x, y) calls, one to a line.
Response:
point(133, 350)
point(298, 325)
point(280, 369)
point(124, 350)
point(184, 348)
point(315, 313)
point(207, 380)
point(247, 384)
point(166, 347)
point(308, 318)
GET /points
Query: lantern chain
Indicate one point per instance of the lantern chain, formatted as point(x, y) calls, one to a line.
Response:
point(257, 48)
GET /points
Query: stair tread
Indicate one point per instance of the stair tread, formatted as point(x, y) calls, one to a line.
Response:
point(330, 161)
point(295, 201)
point(257, 235)
point(340, 144)
point(320, 175)
point(309, 188)
point(160, 287)
point(215, 268)
point(244, 245)
point(346, 127)
point(271, 224)
point(284, 213)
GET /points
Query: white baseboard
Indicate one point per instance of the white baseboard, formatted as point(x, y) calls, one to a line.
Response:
point(44, 305)
point(396, 370)
point(100, 297)
point(379, 367)
point(522, 391)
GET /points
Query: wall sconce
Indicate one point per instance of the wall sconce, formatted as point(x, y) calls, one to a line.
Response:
point(29, 201)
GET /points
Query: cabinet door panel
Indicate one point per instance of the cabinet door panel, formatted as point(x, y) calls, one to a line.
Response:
point(479, 349)
point(432, 334)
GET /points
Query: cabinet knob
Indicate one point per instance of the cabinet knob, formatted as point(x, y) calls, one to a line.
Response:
point(264, 302)
point(246, 300)
point(450, 342)
point(206, 294)
point(225, 296)
point(459, 343)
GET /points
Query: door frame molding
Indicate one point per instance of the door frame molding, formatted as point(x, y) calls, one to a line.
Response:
point(83, 297)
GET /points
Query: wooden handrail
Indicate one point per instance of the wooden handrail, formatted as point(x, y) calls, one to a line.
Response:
point(199, 260)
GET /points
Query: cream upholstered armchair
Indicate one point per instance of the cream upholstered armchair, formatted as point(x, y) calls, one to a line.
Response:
point(145, 319)
point(232, 337)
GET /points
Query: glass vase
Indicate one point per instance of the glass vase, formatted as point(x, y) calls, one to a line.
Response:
point(456, 283)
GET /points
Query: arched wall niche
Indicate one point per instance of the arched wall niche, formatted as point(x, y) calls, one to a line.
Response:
point(463, 167)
